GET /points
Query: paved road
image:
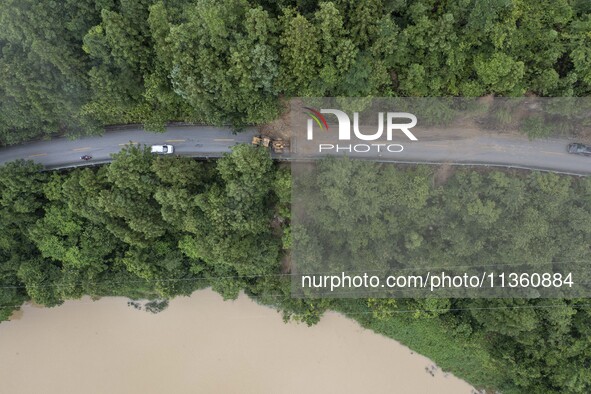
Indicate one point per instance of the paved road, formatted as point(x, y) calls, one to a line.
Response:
point(200, 141)
point(494, 150)
point(203, 141)
point(547, 154)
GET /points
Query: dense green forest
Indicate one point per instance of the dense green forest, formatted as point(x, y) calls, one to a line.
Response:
point(360, 216)
point(159, 227)
point(73, 66)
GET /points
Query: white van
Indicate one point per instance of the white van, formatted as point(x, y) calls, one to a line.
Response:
point(162, 149)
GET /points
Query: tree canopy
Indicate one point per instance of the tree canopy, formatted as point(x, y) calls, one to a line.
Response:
point(76, 66)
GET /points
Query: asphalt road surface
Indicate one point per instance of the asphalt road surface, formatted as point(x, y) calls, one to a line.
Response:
point(205, 141)
point(491, 150)
point(197, 141)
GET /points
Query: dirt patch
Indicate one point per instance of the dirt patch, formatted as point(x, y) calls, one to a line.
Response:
point(280, 127)
point(286, 264)
point(442, 174)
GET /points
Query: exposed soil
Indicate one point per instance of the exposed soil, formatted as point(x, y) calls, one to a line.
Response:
point(280, 127)
point(442, 174)
point(286, 264)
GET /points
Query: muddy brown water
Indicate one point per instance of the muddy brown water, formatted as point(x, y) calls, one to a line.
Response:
point(201, 344)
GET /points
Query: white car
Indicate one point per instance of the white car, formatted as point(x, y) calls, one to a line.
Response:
point(162, 149)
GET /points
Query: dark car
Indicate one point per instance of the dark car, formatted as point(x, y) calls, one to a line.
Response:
point(579, 149)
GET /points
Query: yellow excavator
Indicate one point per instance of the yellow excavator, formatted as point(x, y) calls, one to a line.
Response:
point(260, 140)
point(278, 145)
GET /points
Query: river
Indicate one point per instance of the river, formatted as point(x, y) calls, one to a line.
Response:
point(201, 344)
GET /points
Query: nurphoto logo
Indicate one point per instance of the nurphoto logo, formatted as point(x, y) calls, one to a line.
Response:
point(393, 123)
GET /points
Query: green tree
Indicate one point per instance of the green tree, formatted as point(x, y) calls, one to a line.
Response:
point(300, 54)
point(44, 79)
point(225, 63)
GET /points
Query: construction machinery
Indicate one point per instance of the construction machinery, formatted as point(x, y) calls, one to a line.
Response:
point(260, 140)
point(279, 146)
